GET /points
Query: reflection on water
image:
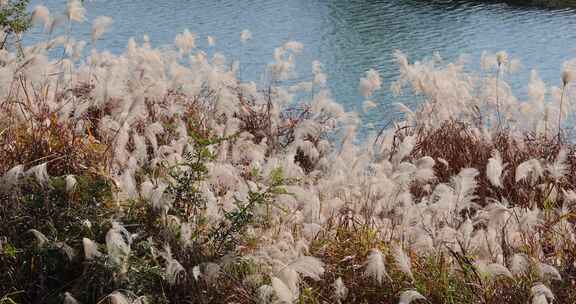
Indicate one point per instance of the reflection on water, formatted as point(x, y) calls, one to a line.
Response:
point(347, 36)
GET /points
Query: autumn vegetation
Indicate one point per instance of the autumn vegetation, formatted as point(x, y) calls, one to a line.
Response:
point(156, 176)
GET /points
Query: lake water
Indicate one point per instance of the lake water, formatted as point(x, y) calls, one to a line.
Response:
point(347, 36)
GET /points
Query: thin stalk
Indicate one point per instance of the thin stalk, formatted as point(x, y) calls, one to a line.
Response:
point(497, 97)
point(560, 112)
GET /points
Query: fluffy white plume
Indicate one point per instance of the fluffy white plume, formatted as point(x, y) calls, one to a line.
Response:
point(283, 292)
point(40, 237)
point(404, 149)
point(406, 297)
point(375, 267)
point(464, 186)
point(90, 249)
point(118, 241)
point(41, 14)
point(196, 273)
point(118, 297)
point(13, 175)
point(39, 172)
point(340, 290)
point(548, 271)
point(69, 299)
point(495, 168)
point(245, 35)
point(519, 264)
point(75, 11)
point(495, 270)
point(502, 58)
point(558, 168)
point(100, 26)
point(308, 266)
point(185, 42)
point(541, 294)
point(66, 249)
point(211, 41)
point(70, 183)
point(567, 76)
point(265, 293)
point(402, 261)
point(531, 168)
point(370, 83)
point(173, 270)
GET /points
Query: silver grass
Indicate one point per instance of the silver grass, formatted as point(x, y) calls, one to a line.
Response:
point(40, 237)
point(569, 195)
point(118, 241)
point(495, 270)
point(90, 249)
point(291, 278)
point(539, 299)
point(531, 168)
point(319, 76)
point(404, 149)
point(558, 169)
point(119, 298)
point(67, 250)
point(406, 297)
point(340, 290)
point(495, 168)
point(13, 175)
point(69, 299)
point(464, 187)
point(519, 264)
point(185, 42)
point(173, 270)
point(186, 234)
point(402, 261)
point(502, 58)
point(125, 297)
point(282, 291)
point(375, 267)
point(211, 272)
point(40, 173)
point(308, 266)
point(41, 14)
point(541, 294)
point(100, 26)
point(265, 293)
point(211, 41)
point(567, 76)
point(548, 271)
point(196, 272)
point(370, 83)
point(70, 183)
point(245, 35)
point(75, 11)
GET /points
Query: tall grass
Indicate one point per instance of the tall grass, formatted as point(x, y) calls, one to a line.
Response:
point(157, 176)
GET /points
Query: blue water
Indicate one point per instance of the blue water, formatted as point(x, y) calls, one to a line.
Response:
point(347, 36)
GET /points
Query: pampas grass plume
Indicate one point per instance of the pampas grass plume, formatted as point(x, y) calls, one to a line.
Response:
point(408, 296)
point(75, 11)
point(375, 267)
point(245, 35)
point(402, 261)
point(100, 26)
point(41, 14)
point(69, 299)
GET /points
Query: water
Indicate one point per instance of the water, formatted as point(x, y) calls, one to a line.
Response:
point(347, 36)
